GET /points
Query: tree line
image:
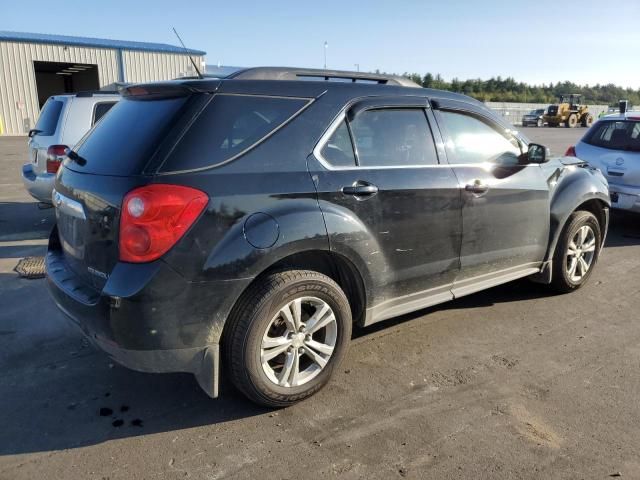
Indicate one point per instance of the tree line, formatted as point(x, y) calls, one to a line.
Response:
point(498, 89)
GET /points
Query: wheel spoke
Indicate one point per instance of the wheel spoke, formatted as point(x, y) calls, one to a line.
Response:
point(296, 307)
point(319, 347)
point(289, 318)
point(271, 342)
point(317, 315)
point(283, 378)
point(572, 267)
point(582, 233)
point(316, 357)
point(584, 266)
point(270, 354)
point(295, 369)
point(590, 246)
point(321, 322)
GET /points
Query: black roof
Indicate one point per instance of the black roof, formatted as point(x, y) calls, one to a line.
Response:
point(302, 82)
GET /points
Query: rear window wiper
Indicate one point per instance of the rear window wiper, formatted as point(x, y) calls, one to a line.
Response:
point(74, 157)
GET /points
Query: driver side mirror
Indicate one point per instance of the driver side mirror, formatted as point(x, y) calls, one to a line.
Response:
point(538, 153)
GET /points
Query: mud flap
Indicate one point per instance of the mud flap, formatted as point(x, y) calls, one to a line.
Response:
point(209, 373)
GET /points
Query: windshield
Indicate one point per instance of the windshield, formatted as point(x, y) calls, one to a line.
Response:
point(616, 135)
point(48, 120)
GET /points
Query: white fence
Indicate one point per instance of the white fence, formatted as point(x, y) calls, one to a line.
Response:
point(513, 112)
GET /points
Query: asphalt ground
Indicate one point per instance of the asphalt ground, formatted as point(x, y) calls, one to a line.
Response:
point(514, 382)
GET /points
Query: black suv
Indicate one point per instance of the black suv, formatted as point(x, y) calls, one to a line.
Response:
point(245, 223)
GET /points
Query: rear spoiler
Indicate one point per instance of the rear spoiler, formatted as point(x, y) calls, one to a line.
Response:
point(170, 89)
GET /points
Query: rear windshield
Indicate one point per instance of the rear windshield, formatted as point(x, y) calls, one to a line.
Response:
point(229, 126)
point(48, 120)
point(124, 141)
point(616, 135)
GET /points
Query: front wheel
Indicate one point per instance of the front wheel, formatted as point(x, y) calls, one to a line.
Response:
point(539, 123)
point(286, 336)
point(577, 252)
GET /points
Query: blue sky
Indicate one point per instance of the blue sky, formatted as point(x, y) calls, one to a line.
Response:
point(535, 41)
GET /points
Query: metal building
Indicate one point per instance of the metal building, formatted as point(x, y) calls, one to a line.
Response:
point(35, 66)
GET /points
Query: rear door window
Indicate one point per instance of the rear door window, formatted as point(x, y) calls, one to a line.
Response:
point(616, 135)
point(393, 138)
point(49, 116)
point(229, 126)
point(100, 110)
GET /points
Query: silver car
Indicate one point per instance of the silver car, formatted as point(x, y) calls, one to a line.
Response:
point(63, 121)
point(612, 145)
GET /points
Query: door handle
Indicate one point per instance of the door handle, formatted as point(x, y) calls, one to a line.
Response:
point(477, 187)
point(360, 189)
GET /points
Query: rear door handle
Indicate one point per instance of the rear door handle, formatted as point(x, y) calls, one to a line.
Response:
point(360, 189)
point(477, 187)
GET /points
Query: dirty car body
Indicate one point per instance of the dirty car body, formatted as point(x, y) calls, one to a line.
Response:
point(307, 178)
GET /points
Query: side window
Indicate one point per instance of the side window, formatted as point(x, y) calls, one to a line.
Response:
point(100, 109)
point(474, 141)
point(338, 151)
point(393, 137)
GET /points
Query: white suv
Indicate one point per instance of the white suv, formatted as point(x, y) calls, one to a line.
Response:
point(63, 121)
point(612, 145)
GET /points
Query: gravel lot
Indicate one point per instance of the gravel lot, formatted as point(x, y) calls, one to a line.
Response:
point(509, 383)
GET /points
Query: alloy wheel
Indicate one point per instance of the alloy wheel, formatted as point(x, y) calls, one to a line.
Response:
point(299, 342)
point(580, 253)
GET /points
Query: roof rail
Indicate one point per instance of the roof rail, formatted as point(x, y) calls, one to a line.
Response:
point(286, 73)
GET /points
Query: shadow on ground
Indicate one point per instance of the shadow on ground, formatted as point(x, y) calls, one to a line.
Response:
point(24, 221)
point(58, 392)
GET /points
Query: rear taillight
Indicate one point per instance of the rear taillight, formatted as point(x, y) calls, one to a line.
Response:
point(155, 217)
point(55, 155)
point(571, 152)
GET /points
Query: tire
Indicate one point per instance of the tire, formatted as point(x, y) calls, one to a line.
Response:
point(572, 121)
point(565, 275)
point(539, 123)
point(256, 368)
point(587, 120)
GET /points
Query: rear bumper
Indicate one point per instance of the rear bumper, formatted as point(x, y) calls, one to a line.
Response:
point(39, 186)
point(627, 198)
point(147, 317)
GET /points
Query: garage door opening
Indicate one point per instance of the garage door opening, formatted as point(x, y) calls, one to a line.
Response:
point(55, 78)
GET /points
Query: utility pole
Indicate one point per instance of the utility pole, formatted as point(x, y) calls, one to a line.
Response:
point(326, 45)
point(357, 65)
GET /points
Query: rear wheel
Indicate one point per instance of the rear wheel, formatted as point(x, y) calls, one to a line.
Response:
point(539, 124)
point(587, 120)
point(285, 337)
point(577, 251)
point(572, 121)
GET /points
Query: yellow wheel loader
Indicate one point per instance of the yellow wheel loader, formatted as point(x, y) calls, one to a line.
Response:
point(568, 111)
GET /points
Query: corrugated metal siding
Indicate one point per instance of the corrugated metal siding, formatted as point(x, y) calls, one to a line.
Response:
point(151, 66)
point(18, 80)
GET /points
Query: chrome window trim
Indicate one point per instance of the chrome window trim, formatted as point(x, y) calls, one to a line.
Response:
point(333, 126)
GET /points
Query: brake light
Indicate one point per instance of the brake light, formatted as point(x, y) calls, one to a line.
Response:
point(155, 217)
point(571, 152)
point(55, 155)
